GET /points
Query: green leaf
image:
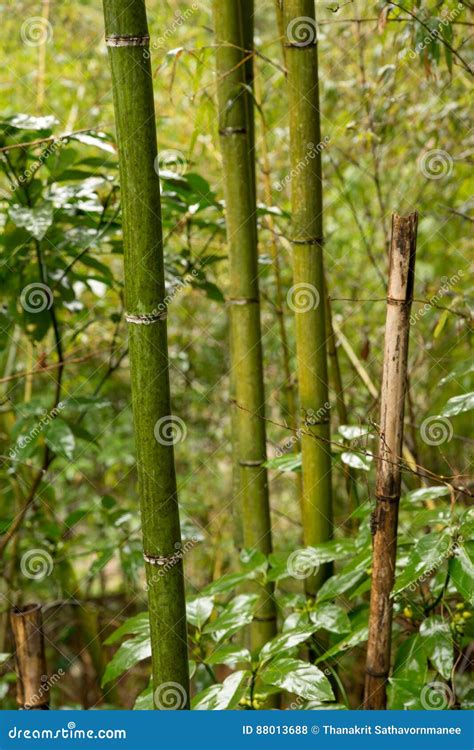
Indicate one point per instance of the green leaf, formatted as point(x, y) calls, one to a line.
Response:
point(426, 493)
point(229, 655)
point(358, 636)
point(199, 610)
point(222, 697)
point(291, 462)
point(285, 642)
point(226, 582)
point(459, 372)
point(29, 122)
point(461, 571)
point(438, 641)
point(60, 438)
point(458, 405)
point(298, 677)
point(331, 618)
point(339, 584)
point(411, 660)
point(426, 556)
point(137, 625)
point(36, 220)
point(98, 140)
point(144, 701)
point(235, 616)
point(353, 432)
point(355, 461)
point(131, 652)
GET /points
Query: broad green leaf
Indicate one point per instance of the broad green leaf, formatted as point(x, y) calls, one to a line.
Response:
point(144, 701)
point(356, 461)
point(199, 610)
point(98, 140)
point(60, 438)
point(230, 655)
point(137, 625)
point(461, 570)
point(426, 493)
point(235, 616)
point(131, 652)
point(404, 694)
point(331, 618)
point(287, 463)
point(227, 582)
point(298, 677)
point(223, 697)
point(411, 660)
point(458, 405)
point(29, 122)
point(285, 642)
point(358, 635)
point(339, 584)
point(35, 220)
point(438, 641)
point(352, 432)
point(459, 372)
point(426, 556)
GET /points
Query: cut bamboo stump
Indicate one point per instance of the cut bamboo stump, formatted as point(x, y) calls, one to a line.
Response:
point(27, 626)
point(385, 517)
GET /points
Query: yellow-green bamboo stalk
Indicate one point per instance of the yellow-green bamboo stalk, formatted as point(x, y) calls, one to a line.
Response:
point(246, 351)
point(307, 295)
point(132, 82)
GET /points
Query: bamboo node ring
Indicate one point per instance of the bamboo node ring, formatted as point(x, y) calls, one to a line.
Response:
point(126, 40)
point(161, 560)
point(310, 241)
point(147, 319)
point(232, 131)
point(246, 301)
point(251, 464)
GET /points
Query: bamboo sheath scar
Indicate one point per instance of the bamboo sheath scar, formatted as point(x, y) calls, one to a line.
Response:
point(236, 137)
point(298, 24)
point(127, 39)
point(388, 481)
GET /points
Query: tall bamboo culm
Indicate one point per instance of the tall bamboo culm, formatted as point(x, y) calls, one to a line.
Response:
point(128, 43)
point(387, 491)
point(307, 294)
point(244, 306)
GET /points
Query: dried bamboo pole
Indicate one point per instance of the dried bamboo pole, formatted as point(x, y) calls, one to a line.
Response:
point(30, 658)
point(392, 408)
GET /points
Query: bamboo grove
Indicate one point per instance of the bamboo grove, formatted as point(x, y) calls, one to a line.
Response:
point(363, 578)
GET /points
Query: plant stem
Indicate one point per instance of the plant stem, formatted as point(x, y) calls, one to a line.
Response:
point(308, 275)
point(244, 304)
point(127, 39)
point(392, 409)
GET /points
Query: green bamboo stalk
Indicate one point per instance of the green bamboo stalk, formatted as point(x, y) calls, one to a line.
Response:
point(307, 294)
point(246, 352)
point(127, 39)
